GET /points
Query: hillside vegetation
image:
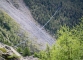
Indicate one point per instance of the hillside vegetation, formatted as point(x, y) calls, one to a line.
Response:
point(9, 29)
point(69, 13)
point(13, 35)
point(69, 45)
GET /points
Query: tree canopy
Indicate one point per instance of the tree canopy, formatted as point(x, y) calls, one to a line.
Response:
point(69, 13)
point(69, 44)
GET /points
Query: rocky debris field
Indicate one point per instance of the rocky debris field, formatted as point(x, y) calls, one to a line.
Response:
point(20, 12)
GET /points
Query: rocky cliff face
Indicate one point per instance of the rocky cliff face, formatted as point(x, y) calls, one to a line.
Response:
point(9, 53)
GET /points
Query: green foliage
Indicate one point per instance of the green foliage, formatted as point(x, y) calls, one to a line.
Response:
point(69, 45)
point(13, 57)
point(36, 55)
point(9, 29)
point(3, 50)
point(19, 49)
point(26, 52)
point(69, 14)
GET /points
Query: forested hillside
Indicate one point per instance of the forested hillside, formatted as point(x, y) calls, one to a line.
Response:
point(69, 45)
point(66, 23)
point(69, 13)
point(9, 29)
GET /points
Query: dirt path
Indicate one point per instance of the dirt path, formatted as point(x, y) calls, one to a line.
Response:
point(19, 12)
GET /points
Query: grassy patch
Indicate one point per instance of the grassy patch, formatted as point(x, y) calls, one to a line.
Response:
point(13, 56)
point(3, 50)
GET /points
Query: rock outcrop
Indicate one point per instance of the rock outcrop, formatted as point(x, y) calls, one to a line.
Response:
point(9, 53)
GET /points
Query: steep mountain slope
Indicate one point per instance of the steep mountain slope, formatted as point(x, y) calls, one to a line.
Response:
point(19, 12)
point(69, 14)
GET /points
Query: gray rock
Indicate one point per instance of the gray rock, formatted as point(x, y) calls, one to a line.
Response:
point(1, 58)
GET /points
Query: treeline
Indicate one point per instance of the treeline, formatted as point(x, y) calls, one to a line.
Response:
point(69, 13)
point(13, 35)
point(69, 45)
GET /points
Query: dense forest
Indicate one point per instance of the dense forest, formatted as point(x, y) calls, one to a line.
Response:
point(69, 13)
point(66, 24)
point(69, 45)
